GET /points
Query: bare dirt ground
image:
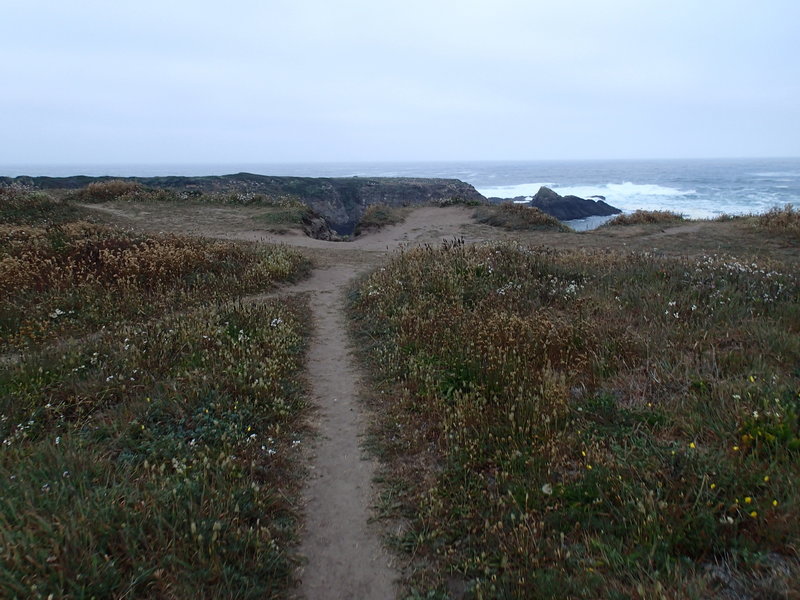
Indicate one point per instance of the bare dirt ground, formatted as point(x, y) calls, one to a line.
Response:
point(344, 556)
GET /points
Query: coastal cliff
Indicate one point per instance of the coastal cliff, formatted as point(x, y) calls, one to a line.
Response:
point(340, 200)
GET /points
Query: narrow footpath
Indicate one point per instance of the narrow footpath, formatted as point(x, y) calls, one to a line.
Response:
point(344, 555)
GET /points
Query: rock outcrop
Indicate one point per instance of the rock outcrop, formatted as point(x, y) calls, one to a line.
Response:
point(340, 200)
point(568, 208)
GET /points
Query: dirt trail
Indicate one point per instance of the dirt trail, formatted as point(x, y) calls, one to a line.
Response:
point(344, 558)
point(344, 554)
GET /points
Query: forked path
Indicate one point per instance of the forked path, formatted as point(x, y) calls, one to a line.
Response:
point(343, 554)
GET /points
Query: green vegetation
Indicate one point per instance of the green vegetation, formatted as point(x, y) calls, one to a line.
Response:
point(518, 217)
point(377, 216)
point(153, 455)
point(587, 424)
point(645, 217)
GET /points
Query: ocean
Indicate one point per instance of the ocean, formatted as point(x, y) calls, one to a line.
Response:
point(697, 189)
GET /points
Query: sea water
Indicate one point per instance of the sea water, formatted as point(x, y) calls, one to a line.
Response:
point(696, 189)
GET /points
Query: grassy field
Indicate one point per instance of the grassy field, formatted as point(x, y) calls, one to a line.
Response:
point(149, 421)
point(588, 423)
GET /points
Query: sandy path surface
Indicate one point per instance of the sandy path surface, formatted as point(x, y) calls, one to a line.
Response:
point(344, 558)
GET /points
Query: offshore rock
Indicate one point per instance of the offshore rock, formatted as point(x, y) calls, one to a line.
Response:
point(567, 208)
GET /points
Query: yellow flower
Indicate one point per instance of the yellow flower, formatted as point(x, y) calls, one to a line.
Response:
point(589, 467)
point(713, 486)
point(774, 503)
point(747, 499)
point(754, 514)
point(736, 448)
point(692, 445)
point(766, 478)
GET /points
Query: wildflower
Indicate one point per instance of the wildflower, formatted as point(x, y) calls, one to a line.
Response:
point(692, 445)
point(747, 499)
point(736, 448)
point(754, 514)
point(713, 486)
point(547, 489)
point(774, 503)
point(766, 478)
point(58, 440)
point(589, 467)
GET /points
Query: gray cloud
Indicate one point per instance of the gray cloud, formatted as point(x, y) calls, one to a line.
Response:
point(306, 80)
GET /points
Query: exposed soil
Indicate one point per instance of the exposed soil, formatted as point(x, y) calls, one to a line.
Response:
point(344, 556)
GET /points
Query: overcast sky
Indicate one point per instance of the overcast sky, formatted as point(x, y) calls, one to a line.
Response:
point(179, 81)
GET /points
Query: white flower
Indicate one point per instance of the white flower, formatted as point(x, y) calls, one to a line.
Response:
point(547, 489)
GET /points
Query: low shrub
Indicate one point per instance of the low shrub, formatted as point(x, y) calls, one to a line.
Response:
point(645, 217)
point(784, 221)
point(103, 191)
point(518, 217)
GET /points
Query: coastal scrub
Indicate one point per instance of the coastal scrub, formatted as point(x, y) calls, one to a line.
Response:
point(586, 423)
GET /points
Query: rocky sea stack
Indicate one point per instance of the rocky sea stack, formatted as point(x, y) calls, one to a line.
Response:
point(566, 208)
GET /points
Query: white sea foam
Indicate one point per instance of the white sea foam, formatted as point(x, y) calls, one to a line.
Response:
point(627, 196)
point(770, 174)
point(512, 191)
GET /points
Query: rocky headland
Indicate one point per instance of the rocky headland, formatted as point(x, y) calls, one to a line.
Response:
point(340, 200)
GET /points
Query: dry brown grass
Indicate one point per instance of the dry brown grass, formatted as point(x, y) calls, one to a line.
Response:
point(784, 220)
point(100, 191)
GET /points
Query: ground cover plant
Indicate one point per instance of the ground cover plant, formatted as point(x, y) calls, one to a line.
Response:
point(587, 424)
point(153, 461)
point(518, 217)
point(645, 217)
point(148, 415)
